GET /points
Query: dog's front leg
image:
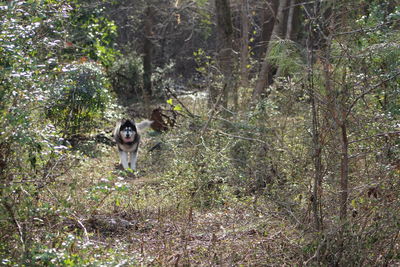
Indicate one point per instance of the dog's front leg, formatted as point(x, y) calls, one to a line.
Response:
point(124, 159)
point(133, 160)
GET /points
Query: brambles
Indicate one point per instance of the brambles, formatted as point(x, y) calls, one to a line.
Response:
point(78, 97)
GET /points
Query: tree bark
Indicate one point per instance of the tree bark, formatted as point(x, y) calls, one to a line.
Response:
point(148, 52)
point(244, 54)
point(262, 81)
point(344, 173)
point(317, 146)
point(224, 47)
point(289, 24)
point(288, 30)
point(268, 19)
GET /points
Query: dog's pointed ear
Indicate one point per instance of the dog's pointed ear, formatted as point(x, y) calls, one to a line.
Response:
point(116, 130)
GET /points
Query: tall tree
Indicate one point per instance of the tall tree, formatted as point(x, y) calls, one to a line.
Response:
point(244, 52)
point(289, 24)
point(289, 28)
point(148, 51)
point(224, 48)
point(316, 140)
point(266, 66)
point(268, 17)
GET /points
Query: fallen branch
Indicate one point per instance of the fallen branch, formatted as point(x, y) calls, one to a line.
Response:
point(82, 226)
point(317, 253)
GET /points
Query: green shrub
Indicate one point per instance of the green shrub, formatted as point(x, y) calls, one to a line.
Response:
point(126, 74)
point(79, 96)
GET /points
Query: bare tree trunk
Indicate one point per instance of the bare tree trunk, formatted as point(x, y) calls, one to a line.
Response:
point(266, 66)
point(317, 146)
point(148, 52)
point(289, 25)
point(317, 187)
point(338, 113)
point(317, 149)
point(224, 47)
point(268, 19)
point(344, 173)
point(289, 29)
point(244, 54)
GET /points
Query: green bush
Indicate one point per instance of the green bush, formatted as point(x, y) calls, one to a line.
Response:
point(195, 178)
point(79, 96)
point(31, 152)
point(126, 74)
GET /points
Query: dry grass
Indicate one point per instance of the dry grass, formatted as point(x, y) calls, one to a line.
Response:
point(135, 217)
point(162, 215)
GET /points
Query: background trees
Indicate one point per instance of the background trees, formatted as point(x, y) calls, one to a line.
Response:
point(302, 125)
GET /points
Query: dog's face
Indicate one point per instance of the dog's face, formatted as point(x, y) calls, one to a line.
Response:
point(127, 131)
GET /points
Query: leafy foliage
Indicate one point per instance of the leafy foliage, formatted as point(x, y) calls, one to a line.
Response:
point(91, 33)
point(79, 96)
point(126, 74)
point(286, 55)
point(32, 45)
point(23, 71)
point(230, 190)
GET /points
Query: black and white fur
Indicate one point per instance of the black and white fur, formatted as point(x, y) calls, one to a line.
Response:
point(127, 136)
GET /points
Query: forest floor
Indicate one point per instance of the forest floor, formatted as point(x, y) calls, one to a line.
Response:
point(163, 233)
point(130, 219)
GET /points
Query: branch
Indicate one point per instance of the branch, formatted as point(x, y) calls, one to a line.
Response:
point(82, 226)
point(11, 213)
point(212, 113)
point(241, 137)
point(180, 102)
point(317, 252)
point(370, 90)
point(371, 29)
point(395, 133)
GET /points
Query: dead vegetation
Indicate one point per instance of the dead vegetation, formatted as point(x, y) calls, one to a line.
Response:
point(246, 232)
point(141, 219)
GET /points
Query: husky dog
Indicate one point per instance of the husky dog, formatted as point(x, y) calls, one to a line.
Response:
point(127, 136)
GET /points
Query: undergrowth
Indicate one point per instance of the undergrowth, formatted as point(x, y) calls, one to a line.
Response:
point(234, 193)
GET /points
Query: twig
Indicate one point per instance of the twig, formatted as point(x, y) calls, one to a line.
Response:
point(53, 167)
point(370, 90)
point(180, 102)
point(242, 137)
point(16, 223)
point(212, 114)
point(395, 133)
point(83, 227)
point(316, 254)
point(363, 30)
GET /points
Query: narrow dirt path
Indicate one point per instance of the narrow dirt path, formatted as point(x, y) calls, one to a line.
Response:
point(138, 217)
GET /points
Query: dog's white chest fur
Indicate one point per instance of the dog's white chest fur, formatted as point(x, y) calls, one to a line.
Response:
point(128, 147)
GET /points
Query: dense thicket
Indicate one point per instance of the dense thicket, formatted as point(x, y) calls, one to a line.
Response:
point(300, 122)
